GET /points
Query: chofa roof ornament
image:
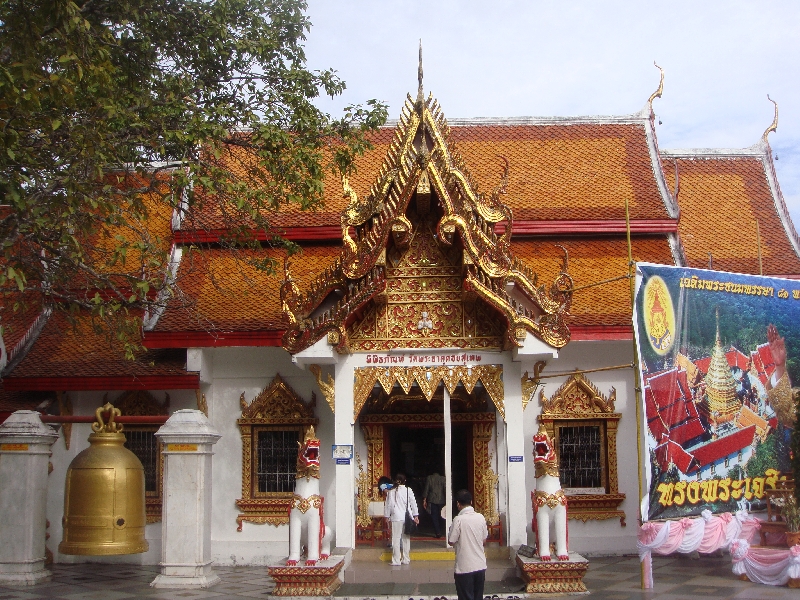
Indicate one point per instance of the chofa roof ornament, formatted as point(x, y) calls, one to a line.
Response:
point(659, 91)
point(774, 125)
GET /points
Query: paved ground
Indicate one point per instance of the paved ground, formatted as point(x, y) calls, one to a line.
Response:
point(610, 578)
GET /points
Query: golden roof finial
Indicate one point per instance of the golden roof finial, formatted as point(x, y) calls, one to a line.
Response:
point(659, 91)
point(774, 125)
point(420, 94)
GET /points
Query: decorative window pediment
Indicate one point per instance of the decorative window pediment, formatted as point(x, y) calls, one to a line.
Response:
point(583, 425)
point(271, 425)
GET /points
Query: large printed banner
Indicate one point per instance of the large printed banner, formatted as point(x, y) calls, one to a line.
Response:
point(718, 354)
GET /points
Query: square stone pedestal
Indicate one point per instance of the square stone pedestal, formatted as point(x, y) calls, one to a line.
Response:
point(545, 577)
point(320, 580)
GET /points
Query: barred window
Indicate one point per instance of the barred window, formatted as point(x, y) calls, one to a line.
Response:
point(143, 443)
point(276, 459)
point(580, 451)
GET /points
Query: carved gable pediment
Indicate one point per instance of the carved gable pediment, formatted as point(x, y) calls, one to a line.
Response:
point(425, 190)
point(277, 403)
point(140, 403)
point(578, 398)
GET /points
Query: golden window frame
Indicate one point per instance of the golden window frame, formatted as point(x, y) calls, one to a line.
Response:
point(276, 407)
point(579, 402)
point(140, 403)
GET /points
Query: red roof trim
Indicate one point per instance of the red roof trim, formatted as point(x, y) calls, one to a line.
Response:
point(297, 234)
point(520, 228)
point(122, 382)
point(605, 226)
point(588, 333)
point(207, 339)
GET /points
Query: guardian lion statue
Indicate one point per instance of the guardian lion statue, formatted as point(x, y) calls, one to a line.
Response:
point(549, 500)
point(306, 517)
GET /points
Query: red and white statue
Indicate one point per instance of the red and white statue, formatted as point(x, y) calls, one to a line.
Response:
point(306, 516)
point(549, 500)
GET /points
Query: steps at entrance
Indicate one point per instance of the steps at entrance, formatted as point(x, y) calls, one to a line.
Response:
point(431, 562)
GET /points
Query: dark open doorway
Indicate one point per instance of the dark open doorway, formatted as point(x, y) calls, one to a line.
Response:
point(418, 450)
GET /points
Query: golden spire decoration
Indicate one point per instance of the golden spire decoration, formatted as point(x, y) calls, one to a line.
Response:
point(659, 91)
point(774, 125)
point(420, 94)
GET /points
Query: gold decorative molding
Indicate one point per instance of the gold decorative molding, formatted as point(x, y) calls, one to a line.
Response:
point(65, 409)
point(202, 405)
point(364, 487)
point(529, 384)
point(579, 402)
point(328, 388)
point(428, 380)
point(579, 397)
point(277, 406)
point(374, 436)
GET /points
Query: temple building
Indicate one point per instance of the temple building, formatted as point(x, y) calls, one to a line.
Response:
point(465, 285)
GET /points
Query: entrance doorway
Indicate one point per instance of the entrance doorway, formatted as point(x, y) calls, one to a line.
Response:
point(417, 450)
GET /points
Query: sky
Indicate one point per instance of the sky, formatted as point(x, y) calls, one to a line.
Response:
point(511, 58)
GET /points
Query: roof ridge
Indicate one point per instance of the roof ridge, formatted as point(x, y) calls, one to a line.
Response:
point(632, 118)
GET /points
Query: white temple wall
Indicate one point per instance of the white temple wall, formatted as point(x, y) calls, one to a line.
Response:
point(85, 403)
point(250, 370)
point(596, 537)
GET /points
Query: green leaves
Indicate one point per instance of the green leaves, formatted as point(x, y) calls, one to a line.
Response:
point(112, 112)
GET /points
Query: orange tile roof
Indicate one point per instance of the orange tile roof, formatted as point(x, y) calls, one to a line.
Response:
point(16, 321)
point(721, 198)
point(591, 261)
point(62, 350)
point(220, 292)
point(572, 170)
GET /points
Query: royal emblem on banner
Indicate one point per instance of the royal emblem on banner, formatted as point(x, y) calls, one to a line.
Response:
point(659, 315)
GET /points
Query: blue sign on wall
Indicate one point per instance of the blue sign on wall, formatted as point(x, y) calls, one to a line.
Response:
point(514, 459)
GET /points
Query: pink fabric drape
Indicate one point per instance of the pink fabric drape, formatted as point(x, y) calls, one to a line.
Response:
point(769, 566)
point(705, 534)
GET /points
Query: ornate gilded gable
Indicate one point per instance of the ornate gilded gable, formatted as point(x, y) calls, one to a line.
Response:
point(578, 398)
point(425, 188)
point(140, 403)
point(424, 304)
point(277, 403)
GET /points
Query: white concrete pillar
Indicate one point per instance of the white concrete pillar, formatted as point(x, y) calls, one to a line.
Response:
point(344, 433)
point(518, 495)
point(24, 455)
point(187, 438)
point(448, 465)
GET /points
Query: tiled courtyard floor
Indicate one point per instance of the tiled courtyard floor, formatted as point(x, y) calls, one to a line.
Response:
point(609, 578)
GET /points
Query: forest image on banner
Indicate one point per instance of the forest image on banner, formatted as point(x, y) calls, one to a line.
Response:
point(718, 355)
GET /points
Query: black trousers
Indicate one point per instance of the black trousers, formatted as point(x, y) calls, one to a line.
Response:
point(469, 586)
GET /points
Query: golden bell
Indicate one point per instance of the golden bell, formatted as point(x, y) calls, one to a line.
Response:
point(104, 507)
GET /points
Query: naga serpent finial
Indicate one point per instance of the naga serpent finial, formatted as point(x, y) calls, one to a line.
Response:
point(774, 125)
point(659, 91)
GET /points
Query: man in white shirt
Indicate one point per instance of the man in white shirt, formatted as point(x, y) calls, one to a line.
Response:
point(468, 533)
point(399, 501)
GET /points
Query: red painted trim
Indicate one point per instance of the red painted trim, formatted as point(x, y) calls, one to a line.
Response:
point(138, 419)
point(616, 226)
point(334, 232)
point(206, 339)
point(123, 382)
point(586, 333)
point(296, 234)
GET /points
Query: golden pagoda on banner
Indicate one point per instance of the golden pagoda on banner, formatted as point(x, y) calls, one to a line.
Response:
point(426, 259)
point(720, 405)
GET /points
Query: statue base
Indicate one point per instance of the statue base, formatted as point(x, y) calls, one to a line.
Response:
point(553, 576)
point(321, 579)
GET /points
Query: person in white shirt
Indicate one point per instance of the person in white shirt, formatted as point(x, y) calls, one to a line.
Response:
point(467, 533)
point(399, 501)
